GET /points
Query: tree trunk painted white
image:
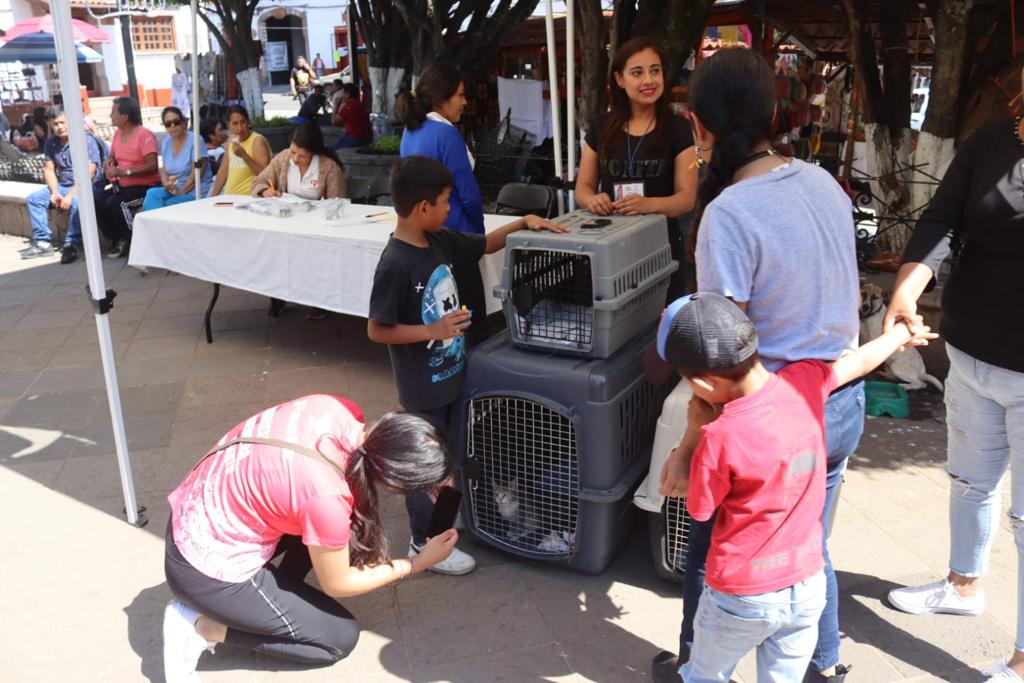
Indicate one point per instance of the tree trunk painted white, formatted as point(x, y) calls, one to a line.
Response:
point(933, 155)
point(378, 85)
point(252, 91)
point(395, 77)
point(889, 163)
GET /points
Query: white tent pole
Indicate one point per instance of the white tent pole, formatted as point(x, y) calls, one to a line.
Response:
point(197, 188)
point(570, 92)
point(556, 115)
point(67, 64)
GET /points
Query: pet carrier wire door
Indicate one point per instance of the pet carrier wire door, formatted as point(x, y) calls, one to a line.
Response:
point(670, 537)
point(589, 291)
point(553, 448)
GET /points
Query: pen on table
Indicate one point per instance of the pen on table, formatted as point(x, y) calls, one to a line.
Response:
point(374, 215)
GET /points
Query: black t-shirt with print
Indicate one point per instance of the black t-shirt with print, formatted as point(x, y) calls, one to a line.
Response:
point(302, 77)
point(654, 156)
point(416, 286)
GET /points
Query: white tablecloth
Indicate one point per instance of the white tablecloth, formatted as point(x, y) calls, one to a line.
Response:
point(294, 259)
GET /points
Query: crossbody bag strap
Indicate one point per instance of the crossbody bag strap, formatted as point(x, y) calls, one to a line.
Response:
point(284, 445)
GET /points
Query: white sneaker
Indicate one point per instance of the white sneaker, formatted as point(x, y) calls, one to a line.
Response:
point(936, 598)
point(457, 564)
point(182, 645)
point(1001, 673)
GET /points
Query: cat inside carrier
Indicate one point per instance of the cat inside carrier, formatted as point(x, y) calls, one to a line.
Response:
point(528, 477)
point(554, 446)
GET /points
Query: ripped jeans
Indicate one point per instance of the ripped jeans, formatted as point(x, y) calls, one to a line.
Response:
point(985, 424)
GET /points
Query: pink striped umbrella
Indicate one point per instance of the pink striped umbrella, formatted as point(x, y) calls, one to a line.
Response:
point(83, 32)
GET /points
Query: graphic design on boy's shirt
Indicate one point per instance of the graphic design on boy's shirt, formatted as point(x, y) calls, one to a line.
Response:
point(441, 297)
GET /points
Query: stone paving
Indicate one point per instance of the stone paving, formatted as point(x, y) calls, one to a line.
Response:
point(84, 591)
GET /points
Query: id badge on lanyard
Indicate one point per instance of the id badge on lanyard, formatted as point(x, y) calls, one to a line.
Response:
point(625, 189)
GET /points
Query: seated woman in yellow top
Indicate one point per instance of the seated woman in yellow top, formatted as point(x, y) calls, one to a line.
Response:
point(248, 153)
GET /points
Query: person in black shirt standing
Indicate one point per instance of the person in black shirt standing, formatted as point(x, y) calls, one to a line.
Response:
point(300, 80)
point(978, 215)
point(639, 158)
point(415, 309)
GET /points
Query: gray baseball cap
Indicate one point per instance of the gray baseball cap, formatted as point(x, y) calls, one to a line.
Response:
point(704, 332)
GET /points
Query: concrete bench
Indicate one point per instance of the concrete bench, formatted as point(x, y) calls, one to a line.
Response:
point(14, 213)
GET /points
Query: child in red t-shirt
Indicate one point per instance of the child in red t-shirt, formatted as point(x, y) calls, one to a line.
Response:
point(760, 462)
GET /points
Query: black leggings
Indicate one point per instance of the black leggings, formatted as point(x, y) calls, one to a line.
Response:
point(274, 613)
point(112, 216)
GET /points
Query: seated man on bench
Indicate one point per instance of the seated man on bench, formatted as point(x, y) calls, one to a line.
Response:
point(59, 192)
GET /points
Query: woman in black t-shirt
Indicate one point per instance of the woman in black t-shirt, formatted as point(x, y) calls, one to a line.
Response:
point(639, 157)
point(977, 213)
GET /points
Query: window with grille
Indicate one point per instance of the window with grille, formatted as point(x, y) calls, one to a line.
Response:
point(153, 34)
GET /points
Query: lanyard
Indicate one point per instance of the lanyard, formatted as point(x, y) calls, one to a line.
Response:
point(631, 152)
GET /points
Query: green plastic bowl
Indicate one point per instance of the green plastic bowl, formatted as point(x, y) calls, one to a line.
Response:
point(886, 398)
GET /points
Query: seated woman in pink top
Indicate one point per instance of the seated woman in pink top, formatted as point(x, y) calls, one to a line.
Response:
point(131, 170)
point(299, 479)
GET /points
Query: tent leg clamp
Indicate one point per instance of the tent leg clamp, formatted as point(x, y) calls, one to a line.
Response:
point(142, 520)
point(103, 305)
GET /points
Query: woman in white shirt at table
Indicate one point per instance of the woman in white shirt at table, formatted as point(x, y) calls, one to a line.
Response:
point(308, 169)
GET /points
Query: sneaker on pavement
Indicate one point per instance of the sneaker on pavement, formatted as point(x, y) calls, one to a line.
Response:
point(1001, 673)
point(182, 645)
point(68, 254)
point(28, 247)
point(936, 598)
point(814, 676)
point(457, 564)
point(40, 249)
point(665, 668)
point(118, 249)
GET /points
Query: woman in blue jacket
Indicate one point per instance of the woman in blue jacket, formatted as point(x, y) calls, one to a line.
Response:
point(430, 113)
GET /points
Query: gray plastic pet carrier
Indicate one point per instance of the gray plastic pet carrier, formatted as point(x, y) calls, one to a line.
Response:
point(554, 447)
point(589, 291)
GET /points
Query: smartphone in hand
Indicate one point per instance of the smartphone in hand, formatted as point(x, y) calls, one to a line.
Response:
point(446, 509)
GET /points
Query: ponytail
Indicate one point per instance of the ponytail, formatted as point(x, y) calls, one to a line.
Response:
point(733, 94)
point(437, 83)
point(401, 452)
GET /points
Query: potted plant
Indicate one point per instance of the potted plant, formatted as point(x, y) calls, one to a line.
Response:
point(276, 130)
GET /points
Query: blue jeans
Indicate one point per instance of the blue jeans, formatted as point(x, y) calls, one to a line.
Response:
point(38, 204)
point(158, 197)
point(985, 436)
point(782, 626)
point(844, 424)
point(345, 140)
point(418, 503)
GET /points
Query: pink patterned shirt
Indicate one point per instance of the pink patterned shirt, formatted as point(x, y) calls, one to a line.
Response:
point(232, 509)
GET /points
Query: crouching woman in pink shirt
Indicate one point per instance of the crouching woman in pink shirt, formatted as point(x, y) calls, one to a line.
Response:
point(297, 480)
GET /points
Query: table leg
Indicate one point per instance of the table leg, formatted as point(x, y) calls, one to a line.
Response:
point(209, 311)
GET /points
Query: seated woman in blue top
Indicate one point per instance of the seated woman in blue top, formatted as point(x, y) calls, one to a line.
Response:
point(430, 113)
point(177, 179)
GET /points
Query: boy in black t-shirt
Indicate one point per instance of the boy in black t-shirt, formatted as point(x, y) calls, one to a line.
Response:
point(415, 308)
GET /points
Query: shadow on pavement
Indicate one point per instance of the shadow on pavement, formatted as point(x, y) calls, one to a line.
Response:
point(866, 617)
